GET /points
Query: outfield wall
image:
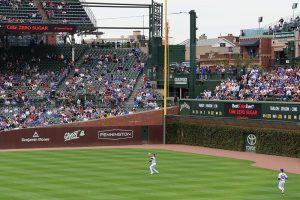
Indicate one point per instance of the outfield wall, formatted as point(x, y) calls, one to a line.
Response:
point(79, 137)
point(135, 129)
point(275, 138)
point(262, 127)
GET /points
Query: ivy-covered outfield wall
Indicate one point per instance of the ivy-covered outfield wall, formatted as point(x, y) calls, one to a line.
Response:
point(231, 137)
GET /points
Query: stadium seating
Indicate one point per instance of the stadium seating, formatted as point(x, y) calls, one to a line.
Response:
point(101, 68)
point(24, 12)
point(53, 11)
point(47, 89)
point(277, 85)
point(47, 68)
point(70, 12)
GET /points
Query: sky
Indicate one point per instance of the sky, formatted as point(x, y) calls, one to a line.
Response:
point(215, 17)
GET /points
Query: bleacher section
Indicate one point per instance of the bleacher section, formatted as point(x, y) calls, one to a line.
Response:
point(49, 55)
point(24, 12)
point(283, 25)
point(38, 87)
point(30, 74)
point(68, 12)
point(52, 65)
point(47, 12)
point(101, 68)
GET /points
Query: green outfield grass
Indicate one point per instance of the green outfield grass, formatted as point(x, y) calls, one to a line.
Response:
point(121, 174)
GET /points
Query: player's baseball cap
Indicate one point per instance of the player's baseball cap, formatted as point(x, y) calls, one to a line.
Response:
point(282, 170)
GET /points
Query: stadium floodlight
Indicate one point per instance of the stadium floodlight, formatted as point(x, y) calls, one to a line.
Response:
point(294, 6)
point(260, 19)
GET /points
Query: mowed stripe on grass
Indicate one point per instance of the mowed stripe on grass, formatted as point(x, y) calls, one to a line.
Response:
point(123, 174)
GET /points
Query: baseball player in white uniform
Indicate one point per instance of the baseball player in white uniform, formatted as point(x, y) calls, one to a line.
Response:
point(282, 178)
point(153, 164)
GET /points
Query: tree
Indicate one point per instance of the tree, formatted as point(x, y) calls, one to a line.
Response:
point(248, 62)
point(225, 63)
point(238, 60)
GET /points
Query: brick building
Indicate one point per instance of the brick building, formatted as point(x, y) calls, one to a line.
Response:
point(215, 51)
point(257, 49)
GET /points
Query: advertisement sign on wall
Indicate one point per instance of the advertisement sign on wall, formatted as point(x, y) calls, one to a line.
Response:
point(75, 135)
point(180, 81)
point(115, 134)
point(37, 27)
point(35, 138)
point(243, 110)
point(251, 141)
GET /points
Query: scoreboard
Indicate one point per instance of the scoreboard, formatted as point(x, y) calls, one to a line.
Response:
point(288, 111)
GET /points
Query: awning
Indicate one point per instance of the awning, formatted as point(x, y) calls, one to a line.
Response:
point(249, 43)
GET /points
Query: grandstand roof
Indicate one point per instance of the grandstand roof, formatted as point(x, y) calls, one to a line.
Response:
point(249, 43)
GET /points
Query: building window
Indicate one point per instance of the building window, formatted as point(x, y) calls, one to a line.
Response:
point(222, 44)
point(252, 53)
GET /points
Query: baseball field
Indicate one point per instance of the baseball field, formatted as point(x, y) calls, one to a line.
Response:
point(123, 174)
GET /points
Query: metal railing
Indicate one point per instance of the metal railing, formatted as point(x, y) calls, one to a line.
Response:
point(90, 14)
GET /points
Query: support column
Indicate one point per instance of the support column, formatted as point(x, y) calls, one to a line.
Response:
point(193, 41)
point(180, 93)
point(73, 48)
point(297, 49)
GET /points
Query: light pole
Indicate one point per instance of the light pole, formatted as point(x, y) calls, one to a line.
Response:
point(143, 25)
point(260, 19)
point(294, 6)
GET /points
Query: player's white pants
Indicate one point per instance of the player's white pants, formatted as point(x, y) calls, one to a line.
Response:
point(152, 168)
point(281, 186)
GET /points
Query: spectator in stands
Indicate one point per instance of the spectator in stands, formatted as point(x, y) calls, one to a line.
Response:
point(175, 100)
point(44, 4)
point(31, 4)
point(280, 84)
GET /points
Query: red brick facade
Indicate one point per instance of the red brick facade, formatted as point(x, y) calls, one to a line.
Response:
point(263, 51)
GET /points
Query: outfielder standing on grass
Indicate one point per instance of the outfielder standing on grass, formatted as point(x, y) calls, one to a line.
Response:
point(153, 164)
point(282, 178)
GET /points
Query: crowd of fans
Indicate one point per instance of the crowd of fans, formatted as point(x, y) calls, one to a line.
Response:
point(145, 97)
point(22, 82)
point(18, 5)
point(285, 25)
point(15, 4)
point(100, 86)
point(205, 72)
point(23, 79)
point(43, 115)
point(279, 84)
point(179, 68)
point(55, 10)
point(60, 9)
point(104, 77)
